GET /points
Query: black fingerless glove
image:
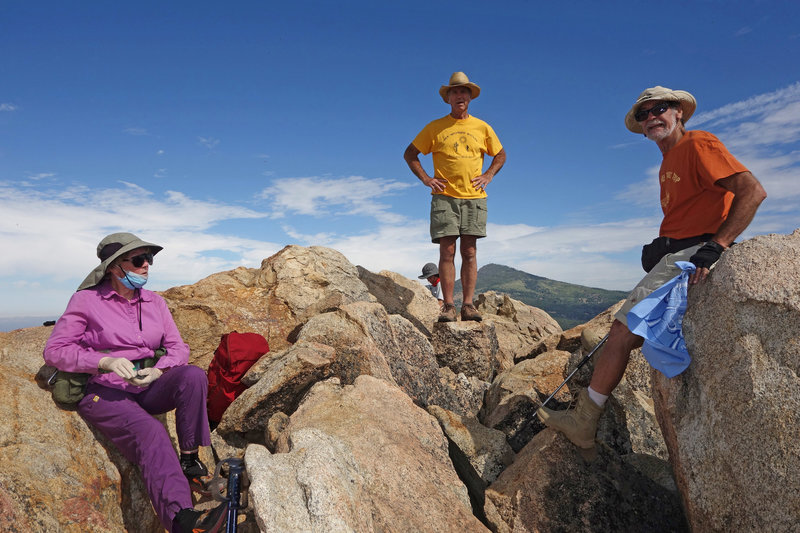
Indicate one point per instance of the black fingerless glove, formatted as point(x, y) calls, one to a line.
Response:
point(707, 255)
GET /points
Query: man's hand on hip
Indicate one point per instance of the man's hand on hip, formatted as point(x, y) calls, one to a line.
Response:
point(436, 184)
point(480, 182)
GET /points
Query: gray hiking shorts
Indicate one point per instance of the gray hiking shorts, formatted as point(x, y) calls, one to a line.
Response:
point(664, 271)
point(457, 216)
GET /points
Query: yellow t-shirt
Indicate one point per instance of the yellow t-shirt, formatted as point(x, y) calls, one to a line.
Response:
point(458, 146)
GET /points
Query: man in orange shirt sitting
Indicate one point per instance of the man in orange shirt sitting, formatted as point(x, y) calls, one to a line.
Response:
point(708, 199)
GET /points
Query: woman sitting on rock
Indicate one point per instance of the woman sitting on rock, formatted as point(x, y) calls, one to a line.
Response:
point(111, 329)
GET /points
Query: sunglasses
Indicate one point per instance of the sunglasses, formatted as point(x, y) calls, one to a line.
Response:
point(642, 114)
point(138, 260)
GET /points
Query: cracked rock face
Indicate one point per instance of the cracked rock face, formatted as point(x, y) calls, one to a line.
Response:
point(336, 437)
point(359, 457)
point(731, 421)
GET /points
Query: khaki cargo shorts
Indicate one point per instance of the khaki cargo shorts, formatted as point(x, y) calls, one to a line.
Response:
point(457, 216)
point(664, 271)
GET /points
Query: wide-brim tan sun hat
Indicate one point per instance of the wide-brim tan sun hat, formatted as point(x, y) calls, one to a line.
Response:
point(111, 247)
point(662, 94)
point(459, 79)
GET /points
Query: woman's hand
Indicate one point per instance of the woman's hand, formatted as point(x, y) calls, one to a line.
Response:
point(145, 377)
point(119, 365)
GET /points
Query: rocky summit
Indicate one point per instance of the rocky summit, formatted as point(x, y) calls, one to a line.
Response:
point(368, 415)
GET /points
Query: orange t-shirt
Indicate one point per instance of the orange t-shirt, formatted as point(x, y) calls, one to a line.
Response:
point(691, 202)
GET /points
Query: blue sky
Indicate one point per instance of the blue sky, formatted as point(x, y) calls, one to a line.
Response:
point(227, 131)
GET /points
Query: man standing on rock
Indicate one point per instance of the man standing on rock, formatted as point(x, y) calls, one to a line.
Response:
point(708, 199)
point(458, 142)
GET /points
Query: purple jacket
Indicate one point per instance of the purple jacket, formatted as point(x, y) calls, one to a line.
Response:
point(98, 322)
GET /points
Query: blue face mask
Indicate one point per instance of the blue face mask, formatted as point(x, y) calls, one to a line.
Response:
point(132, 280)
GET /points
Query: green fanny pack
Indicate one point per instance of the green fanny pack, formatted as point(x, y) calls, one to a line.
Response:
point(69, 388)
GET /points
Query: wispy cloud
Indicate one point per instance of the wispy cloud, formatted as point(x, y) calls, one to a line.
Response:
point(160, 173)
point(208, 142)
point(765, 138)
point(43, 218)
point(743, 31)
point(55, 222)
point(7, 107)
point(40, 176)
point(758, 106)
point(138, 132)
point(320, 197)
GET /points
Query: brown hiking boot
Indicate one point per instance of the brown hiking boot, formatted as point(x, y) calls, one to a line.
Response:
point(468, 312)
point(448, 313)
point(579, 425)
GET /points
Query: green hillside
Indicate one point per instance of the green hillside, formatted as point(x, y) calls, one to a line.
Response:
point(568, 304)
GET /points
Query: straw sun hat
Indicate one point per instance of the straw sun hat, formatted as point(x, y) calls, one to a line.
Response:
point(457, 80)
point(662, 94)
point(111, 247)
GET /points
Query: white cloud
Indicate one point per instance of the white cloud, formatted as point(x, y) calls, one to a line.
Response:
point(763, 132)
point(53, 230)
point(55, 223)
point(642, 193)
point(41, 176)
point(138, 132)
point(7, 107)
point(160, 173)
point(754, 106)
point(208, 142)
point(322, 197)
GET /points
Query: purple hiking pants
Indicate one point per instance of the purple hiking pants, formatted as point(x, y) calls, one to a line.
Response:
point(126, 420)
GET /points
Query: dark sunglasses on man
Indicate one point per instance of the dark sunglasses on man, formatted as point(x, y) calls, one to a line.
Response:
point(657, 110)
point(138, 260)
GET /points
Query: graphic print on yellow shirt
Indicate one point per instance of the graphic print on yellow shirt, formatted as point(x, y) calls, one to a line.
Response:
point(458, 146)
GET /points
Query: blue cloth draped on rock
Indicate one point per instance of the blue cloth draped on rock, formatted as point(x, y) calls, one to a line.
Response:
point(658, 319)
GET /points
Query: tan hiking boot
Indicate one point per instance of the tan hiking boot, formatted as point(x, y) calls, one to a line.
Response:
point(579, 425)
point(448, 313)
point(468, 312)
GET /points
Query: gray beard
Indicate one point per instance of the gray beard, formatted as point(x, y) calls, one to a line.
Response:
point(662, 134)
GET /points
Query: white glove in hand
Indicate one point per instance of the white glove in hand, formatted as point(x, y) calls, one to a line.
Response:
point(145, 377)
point(118, 365)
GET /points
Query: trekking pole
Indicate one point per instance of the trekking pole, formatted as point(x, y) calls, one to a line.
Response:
point(232, 494)
point(583, 362)
point(235, 471)
point(523, 430)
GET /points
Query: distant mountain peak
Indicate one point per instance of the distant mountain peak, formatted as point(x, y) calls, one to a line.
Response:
point(568, 303)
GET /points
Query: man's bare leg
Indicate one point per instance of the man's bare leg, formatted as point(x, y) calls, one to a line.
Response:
point(447, 277)
point(469, 266)
point(579, 425)
point(613, 358)
point(447, 267)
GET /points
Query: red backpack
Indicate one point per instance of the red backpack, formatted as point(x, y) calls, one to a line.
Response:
point(234, 356)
